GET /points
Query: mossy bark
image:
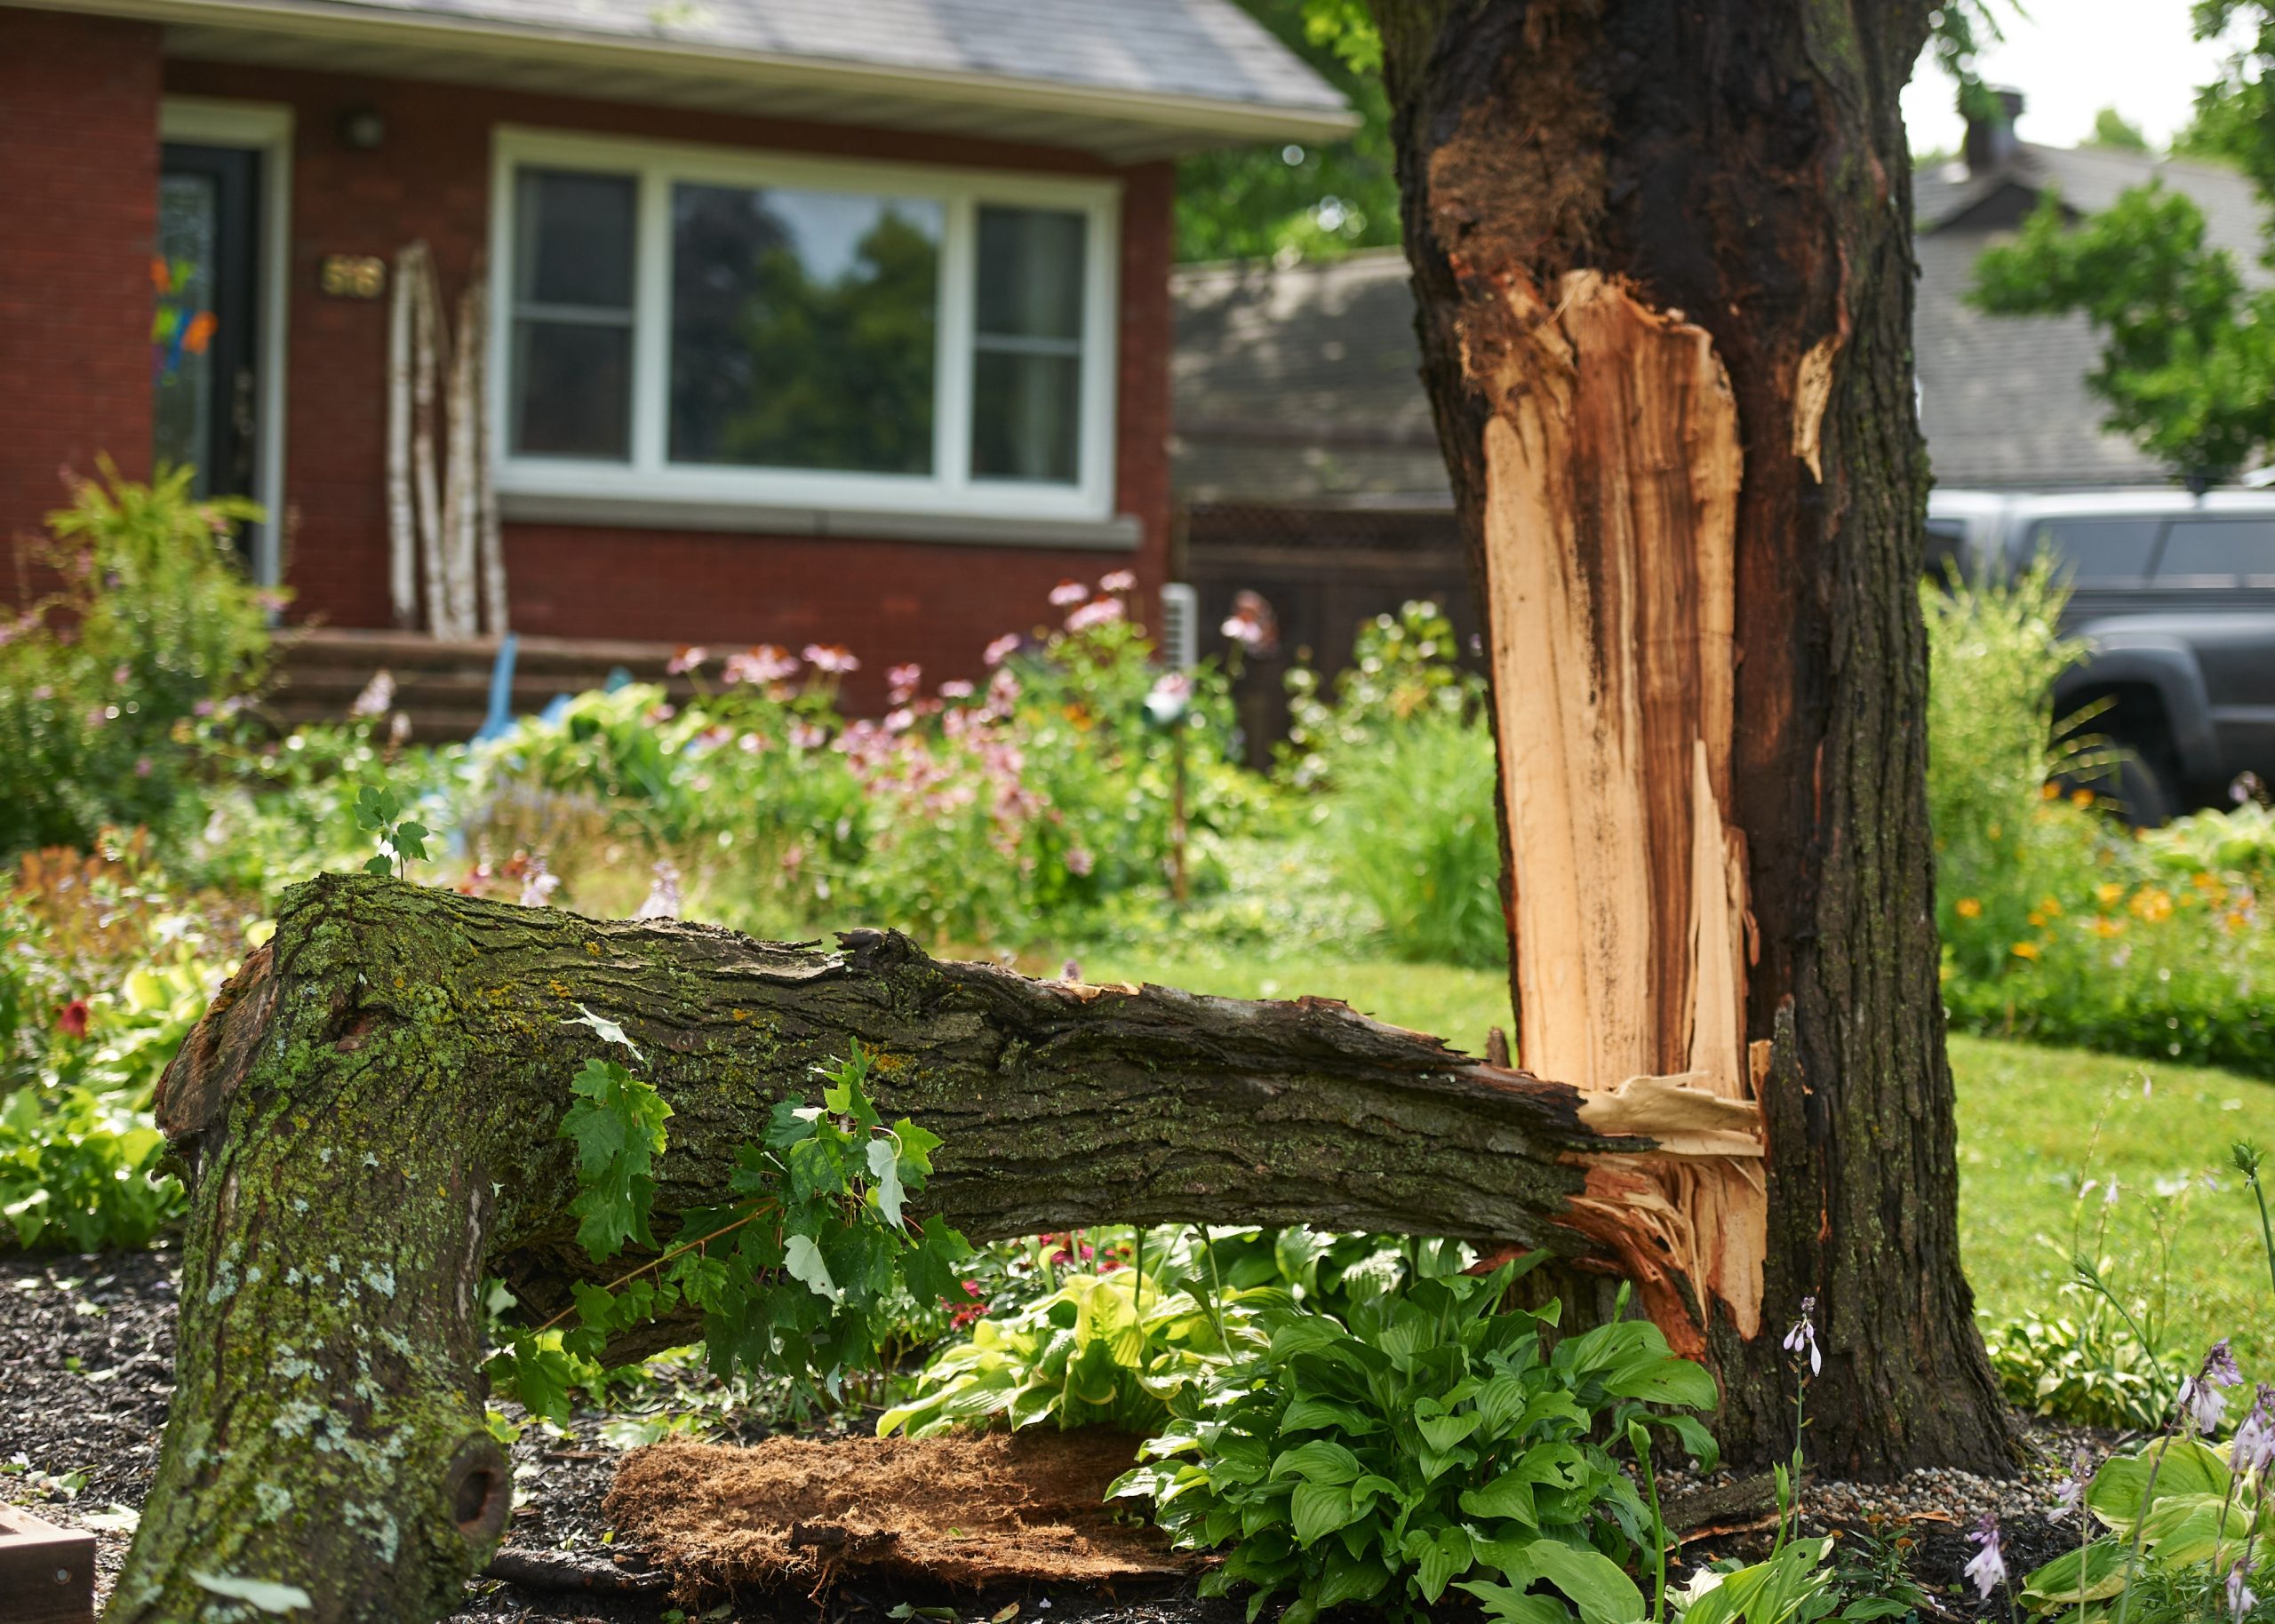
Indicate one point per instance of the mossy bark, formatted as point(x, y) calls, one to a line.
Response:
point(369, 1117)
point(1591, 187)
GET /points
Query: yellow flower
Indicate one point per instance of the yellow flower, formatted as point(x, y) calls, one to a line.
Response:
point(2026, 950)
point(2109, 892)
point(2152, 904)
point(1968, 908)
point(2049, 906)
point(2105, 926)
point(2082, 798)
point(2037, 918)
point(2205, 882)
point(2050, 791)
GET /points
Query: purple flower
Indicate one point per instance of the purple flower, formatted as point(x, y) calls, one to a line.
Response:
point(761, 663)
point(2201, 1401)
point(1003, 648)
point(1068, 591)
point(2240, 1599)
point(1988, 1570)
point(2071, 1491)
point(142, 766)
point(1070, 971)
point(2254, 1449)
point(1802, 1338)
point(1078, 861)
point(1096, 612)
point(538, 884)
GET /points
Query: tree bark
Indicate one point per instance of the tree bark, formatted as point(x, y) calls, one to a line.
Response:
point(367, 1113)
point(1660, 251)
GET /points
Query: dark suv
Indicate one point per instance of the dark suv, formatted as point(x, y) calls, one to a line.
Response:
point(2175, 595)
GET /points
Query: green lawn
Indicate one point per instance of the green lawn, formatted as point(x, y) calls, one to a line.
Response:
point(2035, 1125)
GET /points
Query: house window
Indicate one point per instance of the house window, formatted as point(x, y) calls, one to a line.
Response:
point(691, 325)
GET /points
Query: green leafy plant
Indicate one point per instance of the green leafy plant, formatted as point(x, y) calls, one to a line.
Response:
point(402, 840)
point(2177, 1518)
point(1430, 1444)
point(798, 1278)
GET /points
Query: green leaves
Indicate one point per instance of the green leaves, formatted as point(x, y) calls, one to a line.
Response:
point(402, 840)
point(797, 1278)
point(618, 1123)
point(1425, 1445)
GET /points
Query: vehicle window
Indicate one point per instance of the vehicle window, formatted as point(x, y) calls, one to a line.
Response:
point(2098, 552)
point(1946, 548)
point(2218, 549)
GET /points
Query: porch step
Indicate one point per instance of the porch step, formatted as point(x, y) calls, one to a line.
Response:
point(444, 684)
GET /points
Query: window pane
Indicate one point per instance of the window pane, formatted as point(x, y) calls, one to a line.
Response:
point(573, 239)
point(1031, 273)
point(2221, 548)
point(2100, 550)
point(803, 329)
point(1025, 411)
point(572, 386)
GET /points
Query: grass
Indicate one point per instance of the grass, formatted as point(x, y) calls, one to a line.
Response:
point(2035, 1125)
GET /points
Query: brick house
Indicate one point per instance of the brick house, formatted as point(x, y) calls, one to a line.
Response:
point(836, 320)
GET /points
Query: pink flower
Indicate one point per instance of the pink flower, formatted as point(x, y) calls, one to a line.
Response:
point(1003, 648)
point(761, 663)
point(1242, 630)
point(1079, 862)
point(957, 689)
point(1096, 612)
point(899, 720)
point(1118, 580)
point(689, 659)
point(142, 766)
point(1066, 593)
point(833, 658)
point(378, 698)
point(903, 681)
point(805, 735)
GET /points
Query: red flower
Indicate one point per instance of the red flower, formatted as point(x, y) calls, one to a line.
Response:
point(961, 1314)
point(73, 1020)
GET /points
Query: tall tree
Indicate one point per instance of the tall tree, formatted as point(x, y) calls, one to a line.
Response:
point(1662, 259)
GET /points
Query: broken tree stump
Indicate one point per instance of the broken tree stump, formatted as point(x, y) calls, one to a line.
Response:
point(367, 1116)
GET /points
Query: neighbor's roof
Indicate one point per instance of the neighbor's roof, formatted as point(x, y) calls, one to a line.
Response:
point(1129, 78)
point(1300, 385)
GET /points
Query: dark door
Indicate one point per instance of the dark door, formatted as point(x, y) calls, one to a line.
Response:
point(206, 336)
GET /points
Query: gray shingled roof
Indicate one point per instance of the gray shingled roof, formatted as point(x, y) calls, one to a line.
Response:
point(1199, 50)
point(1300, 386)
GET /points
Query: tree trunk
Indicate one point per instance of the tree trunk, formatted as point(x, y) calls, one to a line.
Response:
point(368, 1117)
point(1662, 258)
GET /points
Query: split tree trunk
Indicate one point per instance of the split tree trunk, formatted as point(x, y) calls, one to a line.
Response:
point(368, 1116)
point(1662, 258)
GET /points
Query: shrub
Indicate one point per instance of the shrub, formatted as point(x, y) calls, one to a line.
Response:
point(1430, 1440)
point(1402, 751)
point(152, 625)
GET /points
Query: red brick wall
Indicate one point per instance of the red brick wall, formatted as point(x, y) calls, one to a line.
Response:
point(78, 218)
point(936, 602)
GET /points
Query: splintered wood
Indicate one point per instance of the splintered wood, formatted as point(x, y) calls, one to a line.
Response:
point(1612, 465)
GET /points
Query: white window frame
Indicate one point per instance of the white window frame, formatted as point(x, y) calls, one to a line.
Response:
point(950, 489)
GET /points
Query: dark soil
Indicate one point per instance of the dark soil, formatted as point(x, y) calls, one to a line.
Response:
point(86, 1350)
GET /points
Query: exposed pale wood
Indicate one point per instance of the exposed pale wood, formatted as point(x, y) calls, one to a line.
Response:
point(460, 476)
point(416, 266)
point(1613, 466)
point(495, 618)
point(403, 525)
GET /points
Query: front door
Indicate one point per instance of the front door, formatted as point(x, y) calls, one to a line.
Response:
point(205, 337)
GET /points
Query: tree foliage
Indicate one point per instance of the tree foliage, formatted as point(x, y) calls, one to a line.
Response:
point(2188, 363)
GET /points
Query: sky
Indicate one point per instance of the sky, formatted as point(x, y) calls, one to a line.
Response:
point(2070, 59)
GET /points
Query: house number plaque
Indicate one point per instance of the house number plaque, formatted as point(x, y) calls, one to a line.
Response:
point(352, 275)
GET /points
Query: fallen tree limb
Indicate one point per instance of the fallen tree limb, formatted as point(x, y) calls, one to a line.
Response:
point(368, 1117)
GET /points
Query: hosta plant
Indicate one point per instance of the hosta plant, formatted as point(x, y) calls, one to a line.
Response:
point(1433, 1443)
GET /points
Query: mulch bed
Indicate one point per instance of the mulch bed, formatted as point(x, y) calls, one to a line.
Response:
point(86, 1350)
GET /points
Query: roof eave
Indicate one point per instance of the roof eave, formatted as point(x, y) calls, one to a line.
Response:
point(1186, 123)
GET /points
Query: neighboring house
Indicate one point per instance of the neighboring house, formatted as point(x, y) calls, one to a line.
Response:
point(843, 321)
point(1307, 468)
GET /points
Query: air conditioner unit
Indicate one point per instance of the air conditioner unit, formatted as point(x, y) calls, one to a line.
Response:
point(1180, 633)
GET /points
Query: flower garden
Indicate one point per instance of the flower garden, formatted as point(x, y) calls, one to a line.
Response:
point(1080, 811)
